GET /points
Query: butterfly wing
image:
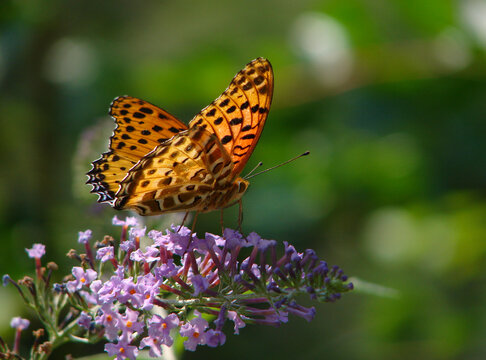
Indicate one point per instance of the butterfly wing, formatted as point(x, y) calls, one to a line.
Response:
point(179, 175)
point(140, 127)
point(237, 117)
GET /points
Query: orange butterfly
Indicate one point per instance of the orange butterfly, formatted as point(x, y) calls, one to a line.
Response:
point(156, 164)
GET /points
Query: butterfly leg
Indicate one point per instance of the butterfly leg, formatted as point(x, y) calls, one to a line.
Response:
point(183, 221)
point(194, 223)
point(222, 222)
point(192, 230)
point(240, 215)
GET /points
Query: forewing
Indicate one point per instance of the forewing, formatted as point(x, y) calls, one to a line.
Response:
point(140, 127)
point(238, 116)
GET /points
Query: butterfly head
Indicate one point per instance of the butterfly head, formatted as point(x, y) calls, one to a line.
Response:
point(242, 186)
point(239, 188)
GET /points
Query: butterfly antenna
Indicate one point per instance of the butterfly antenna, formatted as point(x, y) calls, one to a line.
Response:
point(274, 167)
point(253, 170)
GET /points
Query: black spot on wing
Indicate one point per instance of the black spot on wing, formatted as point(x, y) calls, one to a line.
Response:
point(226, 139)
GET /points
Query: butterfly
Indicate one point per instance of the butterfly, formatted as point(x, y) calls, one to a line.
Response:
point(156, 164)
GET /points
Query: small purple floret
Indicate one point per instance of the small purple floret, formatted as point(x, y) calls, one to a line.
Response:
point(83, 278)
point(106, 253)
point(215, 338)
point(239, 323)
point(127, 245)
point(84, 320)
point(37, 251)
point(122, 350)
point(129, 221)
point(194, 330)
point(19, 323)
point(110, 320)
point(200, 284)
point(136, 232)
point(84, 236)
point(159, 332)
point(303, 312)
point(150, 255)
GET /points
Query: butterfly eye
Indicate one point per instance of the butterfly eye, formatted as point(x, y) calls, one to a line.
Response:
point(242, 186)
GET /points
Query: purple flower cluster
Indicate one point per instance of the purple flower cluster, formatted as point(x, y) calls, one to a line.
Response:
point(178, 288)
point(171, 283)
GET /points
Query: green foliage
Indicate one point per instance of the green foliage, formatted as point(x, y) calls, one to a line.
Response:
point(387, 95)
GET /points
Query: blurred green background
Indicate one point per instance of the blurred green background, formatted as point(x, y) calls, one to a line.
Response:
point(388, 95)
